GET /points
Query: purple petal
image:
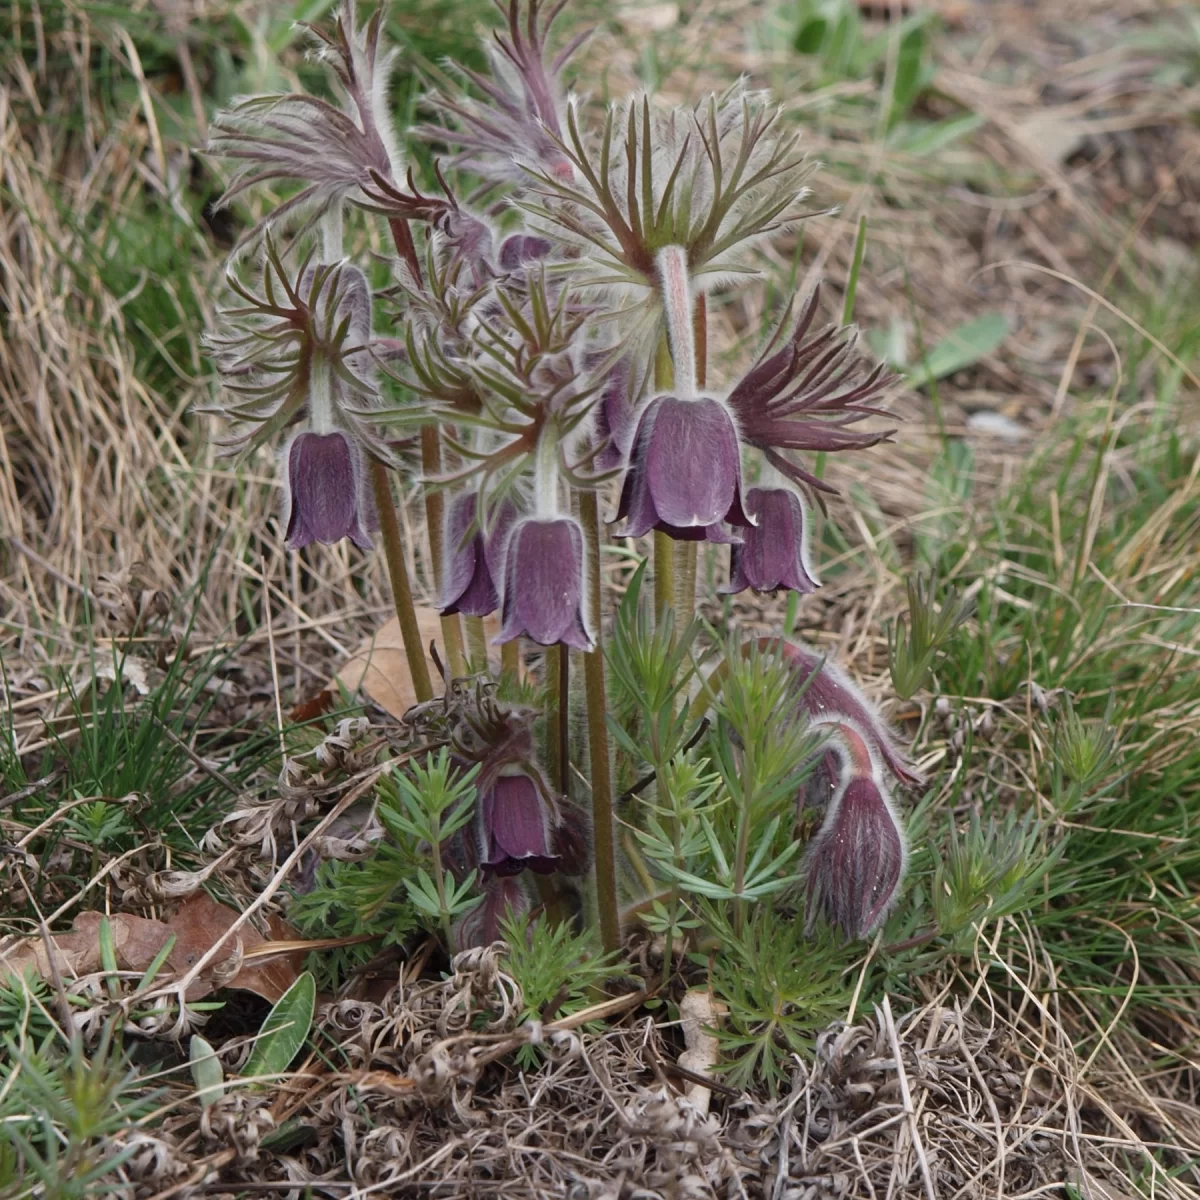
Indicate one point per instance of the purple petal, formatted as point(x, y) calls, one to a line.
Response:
point(468, 584)
point(516, 826)
point(692, 461)
point(616, 418)
point(543, 584)
point(774, 553)
point(857, 859)
point(325, 494)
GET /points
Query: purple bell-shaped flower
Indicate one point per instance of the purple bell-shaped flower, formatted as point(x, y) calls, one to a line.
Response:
point(773, 553)
point(544, 590)
point(474, 562)
point(517, 826)
point(325, 491)
point(685, 471)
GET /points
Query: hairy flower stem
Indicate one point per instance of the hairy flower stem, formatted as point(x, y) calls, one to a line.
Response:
point(664, 547)
point(406, 613)
point(603, 829)
point(477, 647)
point(431, 465)
point(510, 657)
point(691, 550)
point(556, 716)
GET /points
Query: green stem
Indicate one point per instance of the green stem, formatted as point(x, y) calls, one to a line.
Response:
point(555, 714)
point(743, 849)
point(406, 613)
point(431, 465)
point(477, 646)
point(664, 573)
point(603, 825)
point(564, 720)
point(510, 658)
point(685, 582)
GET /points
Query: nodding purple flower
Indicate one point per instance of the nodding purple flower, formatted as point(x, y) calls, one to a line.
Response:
point(615, 413)
point(516, 825)
point(857, 859)
point(474, 561)
point(544, 591)
point(773, 553)
point(504, 898)
point(685, 472)
point(325, 492)
point(805, 395)
point(830, 696)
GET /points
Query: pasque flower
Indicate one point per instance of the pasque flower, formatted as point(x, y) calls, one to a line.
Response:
point(474, 560)
point(516, 825)
point(544, 590)
point(774, 552)
point(857, 859)
point(326, 495)
point(685, 471)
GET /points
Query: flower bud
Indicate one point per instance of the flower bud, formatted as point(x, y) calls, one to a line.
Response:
point(516, 826)
point(856, 861)
point(473, 562)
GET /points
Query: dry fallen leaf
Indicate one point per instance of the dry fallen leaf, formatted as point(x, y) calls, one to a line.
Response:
point(200, 922)
point(380, 665)
point(197, 925)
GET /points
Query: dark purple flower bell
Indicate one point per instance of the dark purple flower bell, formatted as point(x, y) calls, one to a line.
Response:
point(685, 472)
point(773, 553)
point(544, 596)
point(517, 828)
point(325, 493)
point(615, 415)
point(474, 561)
point(857, 859)
point(831, 696)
